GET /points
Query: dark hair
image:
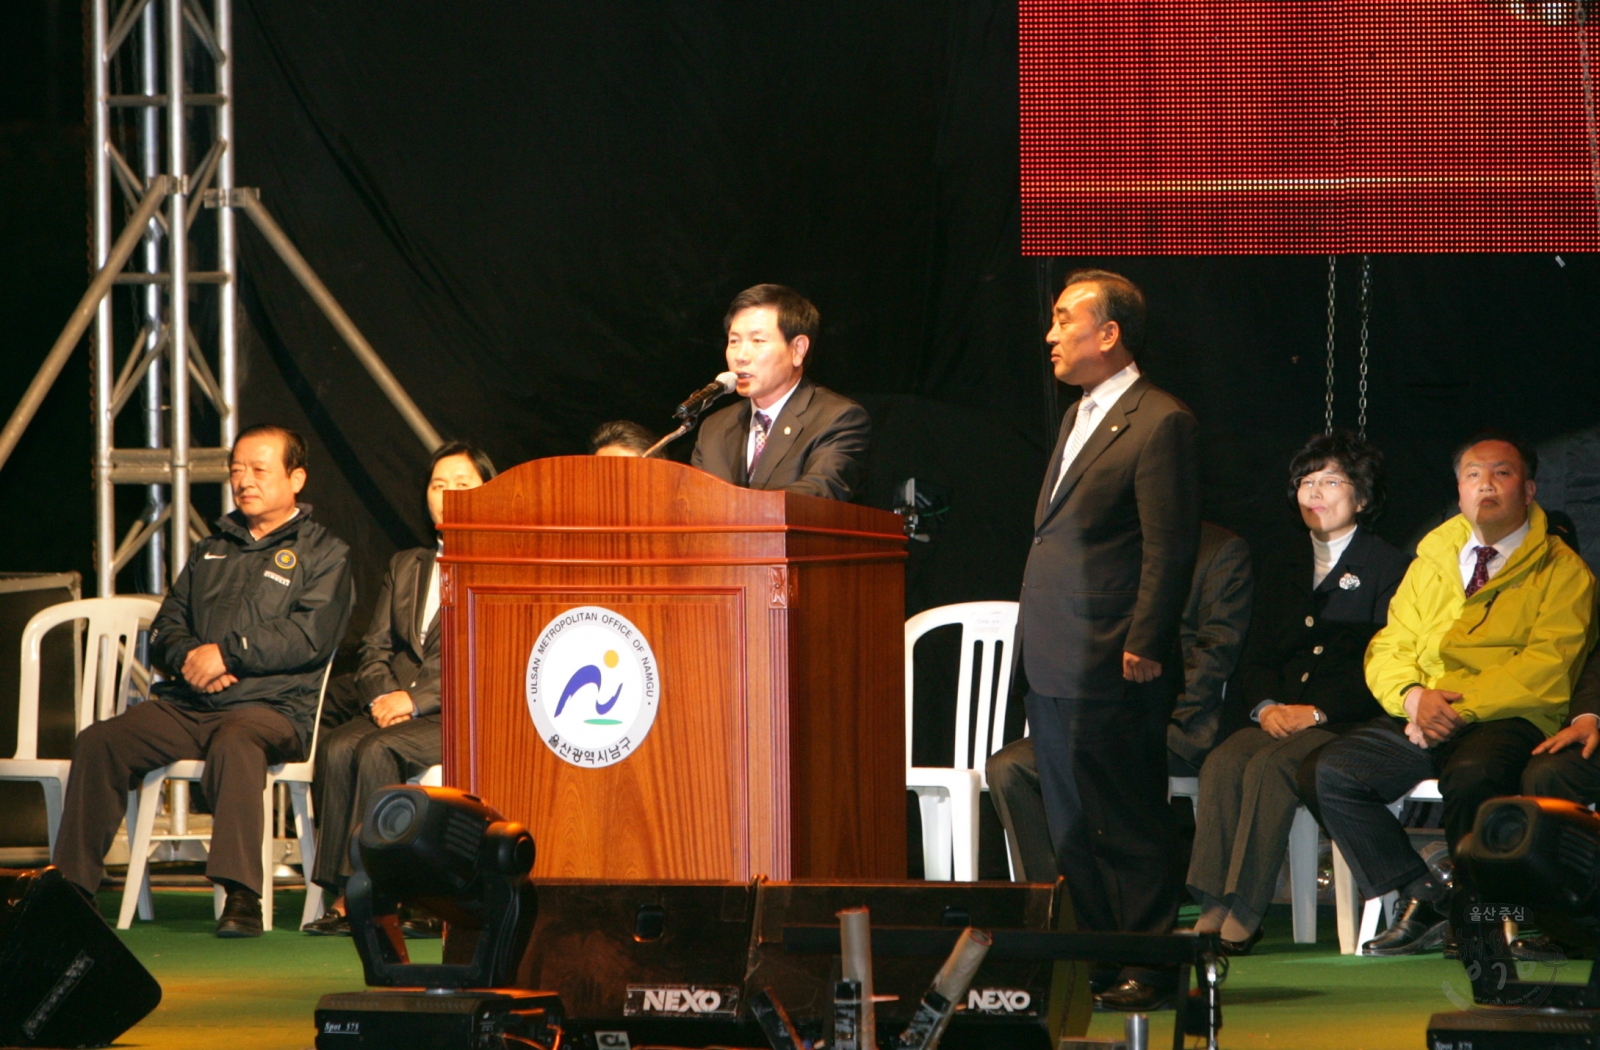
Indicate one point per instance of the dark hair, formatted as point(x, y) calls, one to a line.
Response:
point(1529, 454)
point(796, 315)
point(294, 446)
point(1120, 300)
point(624, 432)
point(1359, 459)
point(480, 459)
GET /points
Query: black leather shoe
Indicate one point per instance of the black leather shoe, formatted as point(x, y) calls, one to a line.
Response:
point(1537, 948)
point(1103, 979)
point(1134, 997)
point(1421, 927)
point(332, 924)
point(241, 915)
point(1244, 947)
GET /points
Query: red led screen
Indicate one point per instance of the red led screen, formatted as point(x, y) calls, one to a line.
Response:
point(1224, 126)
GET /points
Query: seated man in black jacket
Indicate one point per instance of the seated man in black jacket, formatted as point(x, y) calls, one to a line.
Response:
point(400, 734)
point(245, 634)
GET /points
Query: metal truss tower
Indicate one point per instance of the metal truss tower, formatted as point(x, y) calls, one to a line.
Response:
point(162, 103)
point(161, 142)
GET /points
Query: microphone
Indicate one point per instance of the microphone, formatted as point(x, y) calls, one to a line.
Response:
point(701, 399)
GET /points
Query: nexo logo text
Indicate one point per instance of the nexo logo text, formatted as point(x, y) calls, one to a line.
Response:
point(999, 1000)
point(682, 1000)
point(678, 1000)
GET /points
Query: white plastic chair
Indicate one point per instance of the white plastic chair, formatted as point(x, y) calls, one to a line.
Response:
point(1347, 896)
point(948, 796)
point(142, 806)
point(108, 673)
point(1302, 860)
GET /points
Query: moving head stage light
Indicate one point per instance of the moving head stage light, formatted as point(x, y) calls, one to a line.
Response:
point(446, 851)
point(1537, 859)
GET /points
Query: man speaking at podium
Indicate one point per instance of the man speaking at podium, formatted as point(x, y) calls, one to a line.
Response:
point(1114, 541)
point(790, 434)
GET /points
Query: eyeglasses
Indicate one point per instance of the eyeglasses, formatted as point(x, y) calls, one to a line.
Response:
point(1328, 486)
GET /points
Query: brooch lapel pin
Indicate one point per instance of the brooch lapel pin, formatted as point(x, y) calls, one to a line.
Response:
point(1349, 581)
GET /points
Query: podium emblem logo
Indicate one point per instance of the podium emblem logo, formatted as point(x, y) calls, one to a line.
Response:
point(592, 686)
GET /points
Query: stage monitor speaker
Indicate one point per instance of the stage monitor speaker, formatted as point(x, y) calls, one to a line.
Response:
point(66, 979)
point(676, 963)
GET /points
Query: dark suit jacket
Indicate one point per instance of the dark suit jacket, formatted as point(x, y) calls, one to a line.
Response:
point(1113, 552)
point(393, 653)
point(1586, 693)
point(1308, 647)
point(1212, 639)
point(816, 447)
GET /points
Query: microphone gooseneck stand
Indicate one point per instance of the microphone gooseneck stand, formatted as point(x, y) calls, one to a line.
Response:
point(691, 410)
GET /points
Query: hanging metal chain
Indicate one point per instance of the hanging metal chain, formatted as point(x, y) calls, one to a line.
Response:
point(1588, 102)
point(1366, 313)
point(1333, 277)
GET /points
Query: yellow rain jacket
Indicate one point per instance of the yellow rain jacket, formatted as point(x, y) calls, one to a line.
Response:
point(1512, 650)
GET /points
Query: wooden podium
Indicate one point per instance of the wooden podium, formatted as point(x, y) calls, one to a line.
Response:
point(763, 630)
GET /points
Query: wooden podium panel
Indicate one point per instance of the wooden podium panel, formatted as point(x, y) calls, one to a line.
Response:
point(775, 621)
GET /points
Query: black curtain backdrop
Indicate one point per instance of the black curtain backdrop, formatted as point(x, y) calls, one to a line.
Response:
point(538, 214)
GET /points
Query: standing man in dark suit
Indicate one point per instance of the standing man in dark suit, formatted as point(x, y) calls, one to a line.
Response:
point(790, 434)
point(400, 734)
point(1114, 542)
point(1211, 637)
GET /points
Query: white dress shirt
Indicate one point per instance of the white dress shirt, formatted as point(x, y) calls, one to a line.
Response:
point(771, 412)
point(1324, 556)
point(430, 603)
point(1503, 552)
point(1091, 411)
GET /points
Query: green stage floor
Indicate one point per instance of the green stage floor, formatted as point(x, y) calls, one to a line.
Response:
point(259, 994)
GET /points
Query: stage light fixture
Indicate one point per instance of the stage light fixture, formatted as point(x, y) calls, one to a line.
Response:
point(1532, 859)
point(448, 852)
point(1540, 853)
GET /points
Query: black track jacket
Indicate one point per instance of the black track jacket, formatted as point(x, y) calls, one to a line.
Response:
point(278, 607)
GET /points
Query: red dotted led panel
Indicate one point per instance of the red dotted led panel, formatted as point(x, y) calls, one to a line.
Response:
point(1165, 127)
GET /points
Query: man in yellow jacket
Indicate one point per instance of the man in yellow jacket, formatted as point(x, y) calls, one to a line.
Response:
point(1486, 636)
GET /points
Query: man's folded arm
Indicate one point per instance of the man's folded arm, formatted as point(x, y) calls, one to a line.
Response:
point(310, 632)
point(1393, 663)
point(171, 640)
point(425, 693)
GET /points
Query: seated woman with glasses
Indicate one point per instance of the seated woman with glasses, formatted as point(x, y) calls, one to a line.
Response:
point(1317, 605)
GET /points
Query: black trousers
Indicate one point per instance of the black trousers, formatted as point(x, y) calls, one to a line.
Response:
point(354, 762)
point(1103, 772)
point(1360, 773)
point(1565, 774)
point(1013, 776)
point(110, 757)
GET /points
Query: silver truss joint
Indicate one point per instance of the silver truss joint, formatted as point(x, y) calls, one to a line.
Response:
point(153, 466)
